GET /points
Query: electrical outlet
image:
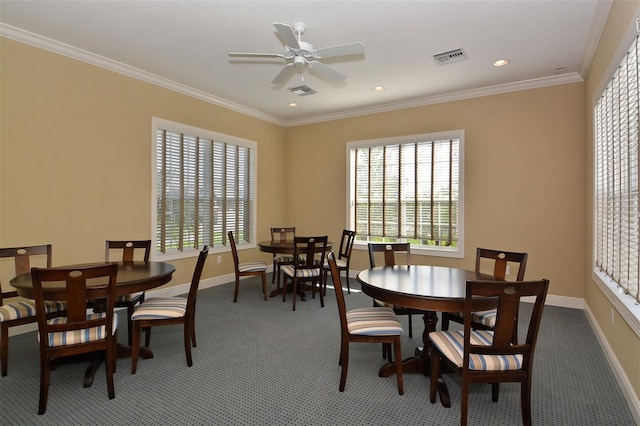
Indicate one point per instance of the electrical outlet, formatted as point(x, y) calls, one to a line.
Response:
point(219, 259)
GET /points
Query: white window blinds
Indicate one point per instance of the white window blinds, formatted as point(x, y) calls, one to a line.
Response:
point(616, 177)
point(204, 189)
point(406, 191)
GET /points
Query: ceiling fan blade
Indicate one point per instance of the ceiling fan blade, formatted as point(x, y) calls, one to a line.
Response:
point(285, 74)
point(326, 71)
point(256, 55)
point(341, 50)
point(288, 35)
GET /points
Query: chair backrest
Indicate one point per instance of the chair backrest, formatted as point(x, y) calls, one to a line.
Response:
point(337, 284)
point(75, 281)
point(22, 257)
point(501, 259)
point(346, 245)
point(508, 295)
point(195, 280)
point(128, 248)
point(390, 250)
point(234, 250)
point(309, 252)
point(283, 234)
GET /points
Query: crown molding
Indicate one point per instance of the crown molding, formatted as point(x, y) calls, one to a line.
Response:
point(54, 46)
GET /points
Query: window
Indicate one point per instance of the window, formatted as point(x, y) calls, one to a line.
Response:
point(204, 187)
point(408, 189)
point(616, 206)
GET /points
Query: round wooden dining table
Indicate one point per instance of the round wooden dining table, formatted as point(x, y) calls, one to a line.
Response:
point(430, 289)
point(132, 277)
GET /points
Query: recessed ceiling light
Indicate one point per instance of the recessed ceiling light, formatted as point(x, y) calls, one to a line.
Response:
point(378, 89)
point(500, 62)
point(293, 105)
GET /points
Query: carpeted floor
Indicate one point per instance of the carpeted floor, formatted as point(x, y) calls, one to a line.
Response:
point(259, 363)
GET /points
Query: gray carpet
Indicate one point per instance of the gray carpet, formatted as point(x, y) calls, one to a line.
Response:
point(259, 363)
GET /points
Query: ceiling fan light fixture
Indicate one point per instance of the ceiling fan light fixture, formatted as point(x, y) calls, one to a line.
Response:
point(302, 90)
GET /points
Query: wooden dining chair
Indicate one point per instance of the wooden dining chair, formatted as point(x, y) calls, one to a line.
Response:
point(343, 260)
point(279, 259)
point(491, 356)
point(78, 332)
point(497, 262)
point(247, 269)
point(367, 325)
point(131, 250)
point(390, 252)
point(159, 311)
point(310, 254)
point(15, 310)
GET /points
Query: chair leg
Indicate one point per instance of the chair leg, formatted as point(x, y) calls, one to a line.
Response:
point(187, 341)
point(464, 403)
point(264, 285)
point(495, 390)
point(44, 384)
point(135, 347)
point(320, 291)
point(410, 326)
point(525, 402)
point(346, 280)
point(110, 365)
point(130, 309)
point(435, 372)
point(344, 362)
point(295, 291)
point(398, 353)
point(147, 337)
point(273, 275)
point(4, 348)
point(235, 293)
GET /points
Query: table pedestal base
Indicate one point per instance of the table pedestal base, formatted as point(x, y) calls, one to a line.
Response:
point(421, 363)
point(121, 352)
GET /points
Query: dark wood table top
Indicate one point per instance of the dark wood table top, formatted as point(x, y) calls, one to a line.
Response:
point(429, 288)
point(286, 247)
point(132, 277)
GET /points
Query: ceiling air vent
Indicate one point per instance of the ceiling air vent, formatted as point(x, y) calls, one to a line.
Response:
point(450, 56)
point(303, 90)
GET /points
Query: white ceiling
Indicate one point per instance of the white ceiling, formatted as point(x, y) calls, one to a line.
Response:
point(184, 45)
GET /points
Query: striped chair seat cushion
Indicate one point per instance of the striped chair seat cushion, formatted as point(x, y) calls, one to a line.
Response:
point(65, 338)
point(487, 318)
point(283, 258)
point(301, 273)
point(451, 344)
point(252, 266)
point(373, 321)
point(27, 308)
point(340, 262)
point(161, 307)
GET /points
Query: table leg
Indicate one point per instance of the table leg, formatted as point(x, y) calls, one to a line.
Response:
point(421, 362)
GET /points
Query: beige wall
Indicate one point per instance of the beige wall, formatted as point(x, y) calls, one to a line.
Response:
point(75, 149)
point(524, 176)
point(624, 342)
point(75, 155)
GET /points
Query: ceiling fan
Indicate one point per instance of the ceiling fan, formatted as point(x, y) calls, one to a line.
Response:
point(298, 53)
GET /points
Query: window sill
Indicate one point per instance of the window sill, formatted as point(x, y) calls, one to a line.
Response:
point(625, 305)
point(423, 251)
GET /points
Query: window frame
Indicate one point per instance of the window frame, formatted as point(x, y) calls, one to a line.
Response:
point(438, 251)
point(163, 124)
point(624, 304)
